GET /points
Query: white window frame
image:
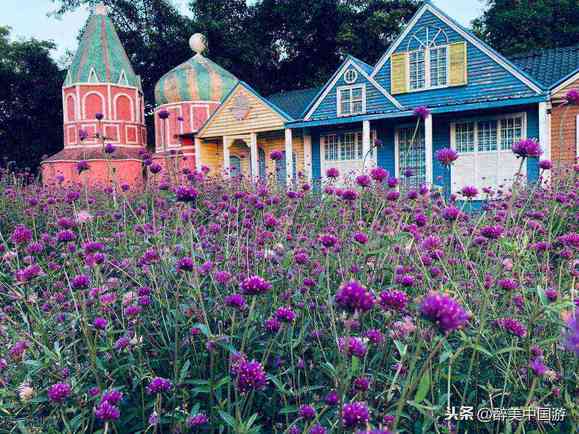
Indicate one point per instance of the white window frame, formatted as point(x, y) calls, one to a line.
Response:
point(397, 149)
point(577, 138)
point(358, 134)
point(427, 75)
point(350, 76)
point(339, 91)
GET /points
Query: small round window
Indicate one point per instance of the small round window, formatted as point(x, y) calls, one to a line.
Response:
point(350, 76)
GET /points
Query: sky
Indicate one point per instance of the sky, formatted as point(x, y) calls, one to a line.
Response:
point(32, 18)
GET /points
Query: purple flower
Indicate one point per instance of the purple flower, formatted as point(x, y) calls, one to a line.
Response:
point(21, 235)
point(272, 325)
point(353, 296)
point(159, 385)
point(444, 311)
point(276, 155)
point(255, 285)
point(122, 343)
point(185, 264)
point(59, 392)
point(393, 300)
point(469, 191)
point(100, 323)
point(508, 284)
point(571, 335)
point(527, 148)
point(317, 429)
point(379, 174)
point(328, 240)
point(81, 166)
point(82, 135)
point(361, 237)
point(198, 420)
point(446, 156)
point(285, 314)
point(186, 194)
point(107, 411)
point(572, 96)
point(164, 114)
point(332, 172)
point(545, 164)
point(250, 375)
point(155, 168)
point(236, 301)
point(492, 232)
point(375, 336)
point(109, 148)
point(352, 346)
point(512, 326)
point(99, 116)
point(450, 213)
point(538, 367)
point(363, 180)
point(81, 281)
point(112, 396)
point(422, 112)
point(361, 384)
point(355, 414)
point(307, 412)
point(332, 398)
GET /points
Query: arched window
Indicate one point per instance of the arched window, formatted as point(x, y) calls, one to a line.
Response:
point(428, 58)
point(70, 108)
point(93, 103)
point(123, 108)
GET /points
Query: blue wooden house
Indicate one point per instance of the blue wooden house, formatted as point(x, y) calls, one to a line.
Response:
point(480, 104)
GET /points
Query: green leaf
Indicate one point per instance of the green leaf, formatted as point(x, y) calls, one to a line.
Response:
point(423, 388)
point(228, 419)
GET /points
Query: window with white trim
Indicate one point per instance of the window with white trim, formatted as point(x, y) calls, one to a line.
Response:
point(488, 135)
point(346, 146)
point(351, 100)
point(411, 156)
point(428, 63)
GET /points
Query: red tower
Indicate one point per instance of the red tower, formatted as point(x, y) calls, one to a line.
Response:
point(104, 122)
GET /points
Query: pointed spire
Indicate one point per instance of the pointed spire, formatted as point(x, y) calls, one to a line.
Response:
point(198, 43)
point(101, 9)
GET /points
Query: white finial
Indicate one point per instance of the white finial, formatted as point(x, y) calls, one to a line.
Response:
point(101, 9)
point(198, 43)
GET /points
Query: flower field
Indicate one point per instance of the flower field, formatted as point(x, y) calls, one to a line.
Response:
point(224, 307)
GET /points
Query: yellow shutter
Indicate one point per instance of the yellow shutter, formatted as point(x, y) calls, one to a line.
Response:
point(398, 73)
point(458, 64)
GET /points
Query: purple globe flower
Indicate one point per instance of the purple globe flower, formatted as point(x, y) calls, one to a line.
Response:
point(106, 411)
point(355, 414)
point(353, 296)
point(276, 155)
point(538, 367)
point(545, 165)
point(100, 323)
point(164, 114)
point(255, 285)
point(492, 232)
point(81, 281)
point(363, 180)
point(186, 194)
point(512, 326)
point(21, 235)
point(109, 148)
point(250, 375)
point(285, 314)
point(307, 412)
point(99, 116)
point(527, 148)
point(450, 213)
point(332, 172)
point(155, 168)
point(159, 385)
point(352, 346)
point(317, 429)
point(393, 300)
point(444, 311)
point(469, 191)
point(328, 240)
point(59, 392)
point(82, 166)
point(571, 335)
point(446, 156)
point(572, 97)
point(199, 419)
point(379, 174)
point(332, 398)
point(82, 135)
point(112, 396)
point(361, 237)
point(236, 301)
point(422, 112)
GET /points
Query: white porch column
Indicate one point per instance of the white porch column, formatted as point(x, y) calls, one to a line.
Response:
point(428, 148)
point(289, 152)
point(198, 154)
point(253, 153)
point(545, 134)
point(308, 155)
point(366, 145)
point(226, 161)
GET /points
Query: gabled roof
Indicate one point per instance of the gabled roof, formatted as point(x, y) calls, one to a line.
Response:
point(466, 34)
point(294, 102)
point(549, 66)
point(101, 57)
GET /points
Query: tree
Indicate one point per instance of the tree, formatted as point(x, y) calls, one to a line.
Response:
point(30, 101)
point(514, 26)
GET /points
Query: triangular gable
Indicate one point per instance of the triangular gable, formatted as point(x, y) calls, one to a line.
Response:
point(92, 76)
point(467, 36)
point(123, 79)
point(244, 111)
point(363, 70)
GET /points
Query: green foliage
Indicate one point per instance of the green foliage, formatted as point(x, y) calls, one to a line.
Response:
point(30, 100)
point(514, 26)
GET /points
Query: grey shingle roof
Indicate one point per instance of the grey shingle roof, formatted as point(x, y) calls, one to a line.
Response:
point(294, 102)
point(549, 65)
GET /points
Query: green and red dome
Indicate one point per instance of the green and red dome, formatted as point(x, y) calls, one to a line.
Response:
point(198, 79)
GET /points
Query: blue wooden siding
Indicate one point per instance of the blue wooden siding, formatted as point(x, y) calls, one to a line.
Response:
point(386, 153)
point(487, 80)
point(376, 102)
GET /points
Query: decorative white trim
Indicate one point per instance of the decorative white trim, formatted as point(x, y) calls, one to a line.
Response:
point(74, 134)
point(80, 84)
point(91, 159)
point(123, 79)
point(427, 76)
point(198, 154)
point(350, 76)
point(428, 145)
point(117, 127)
point(254, 157)
point(577, 137)
point(76, 114)
point(330, 86)
point(172, 104)
point(467, 36)
point(92, 74)
point(136, 141)
point(566, 83)
point(289, 152)
point(109, 115)
point(192, 114)
point(86, 95)
point(339, 90)
point(308, 155)
point(544, 133)
point(132, 107)
point(226, 156)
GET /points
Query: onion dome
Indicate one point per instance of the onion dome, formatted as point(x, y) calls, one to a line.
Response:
point(198, 79)
point(101, 57)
